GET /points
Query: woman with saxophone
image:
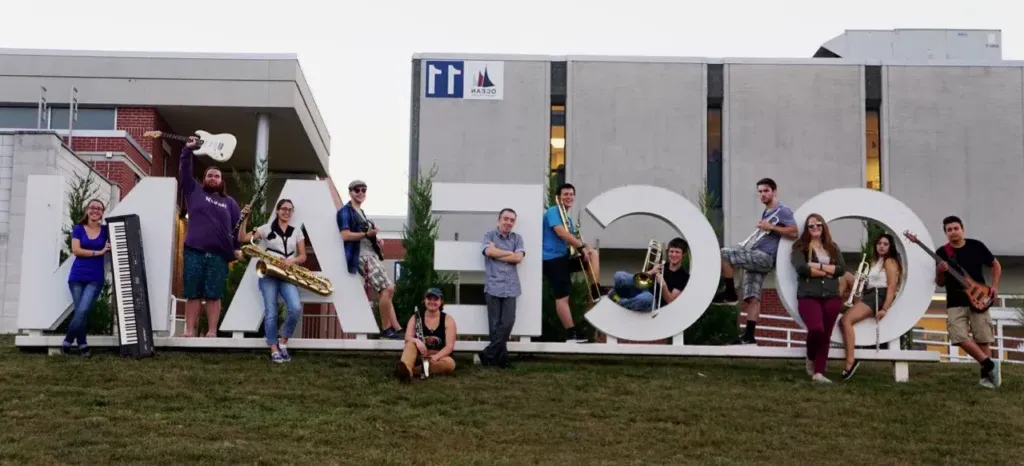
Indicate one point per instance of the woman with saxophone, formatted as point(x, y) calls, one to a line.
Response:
point(286, 242)
point(880, 287)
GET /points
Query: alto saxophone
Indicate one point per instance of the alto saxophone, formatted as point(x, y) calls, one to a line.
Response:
point(298, 275)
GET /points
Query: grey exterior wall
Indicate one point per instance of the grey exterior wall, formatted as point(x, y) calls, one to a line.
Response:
point(623, 120)
point(801, 125)
point(954, 138)
point(484, 141)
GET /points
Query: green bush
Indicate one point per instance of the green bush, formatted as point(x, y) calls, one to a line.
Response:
point(418, 237)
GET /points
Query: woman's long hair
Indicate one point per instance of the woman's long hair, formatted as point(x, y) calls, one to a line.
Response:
point(85, 218)
point(893, 254)
point(826, 239)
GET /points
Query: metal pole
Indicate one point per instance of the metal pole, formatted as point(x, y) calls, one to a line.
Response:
point(41, 108)
point(72, 112)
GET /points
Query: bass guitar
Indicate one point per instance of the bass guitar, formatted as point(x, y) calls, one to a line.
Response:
point(980, 295)
point(218, 147)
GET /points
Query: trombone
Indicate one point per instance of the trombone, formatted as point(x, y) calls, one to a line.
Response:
point(860, 281)
point(593, 284)
point(655, 253)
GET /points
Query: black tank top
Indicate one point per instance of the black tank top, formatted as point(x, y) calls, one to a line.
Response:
point(434, 339)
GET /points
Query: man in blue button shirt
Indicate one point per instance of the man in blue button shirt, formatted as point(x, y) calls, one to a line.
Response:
point(503, 250)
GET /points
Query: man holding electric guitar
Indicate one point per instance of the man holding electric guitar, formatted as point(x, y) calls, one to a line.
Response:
point(363, 256)
point(968, 299)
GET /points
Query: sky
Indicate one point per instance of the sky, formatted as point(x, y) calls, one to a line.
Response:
point(356, 58)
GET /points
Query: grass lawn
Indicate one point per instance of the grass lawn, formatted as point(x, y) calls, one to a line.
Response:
point(343, 408)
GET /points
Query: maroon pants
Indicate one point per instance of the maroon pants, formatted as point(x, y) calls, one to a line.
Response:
point(819, 315)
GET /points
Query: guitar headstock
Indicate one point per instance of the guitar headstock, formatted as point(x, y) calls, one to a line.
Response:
point(910, 236)
point(153, 134)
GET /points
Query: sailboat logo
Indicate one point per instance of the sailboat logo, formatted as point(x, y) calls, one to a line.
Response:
point(483, 79)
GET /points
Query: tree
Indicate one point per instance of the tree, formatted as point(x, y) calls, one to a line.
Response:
point(719, 324)
point(81, 191)
point(418, 237)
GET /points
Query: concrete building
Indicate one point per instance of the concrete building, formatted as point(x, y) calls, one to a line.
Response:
point(944, 137)
point(263, 100)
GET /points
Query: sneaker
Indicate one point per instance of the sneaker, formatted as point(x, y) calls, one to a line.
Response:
point(84, 352)
point(849, 373)
point(573, 336)
point(65, 349)
point(986, 382)
point(810, 367)
point(995, 376)
point(402, 372)
point(476, 360)
point(726, 295)
point(820, 378)
point(744, 340)
point(276, 357)
point(285, 356)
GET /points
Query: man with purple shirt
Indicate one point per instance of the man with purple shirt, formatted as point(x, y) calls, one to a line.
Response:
point(210, 242)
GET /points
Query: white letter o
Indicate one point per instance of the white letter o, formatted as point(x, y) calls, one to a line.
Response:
point(917, 286)
point(705, 263)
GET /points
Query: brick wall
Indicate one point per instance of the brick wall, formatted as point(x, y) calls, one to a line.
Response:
point(138, 120)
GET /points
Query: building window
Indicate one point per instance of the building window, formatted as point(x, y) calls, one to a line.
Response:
point(88, 118)
point(19, 117)
point(557, 156)
point(714, 181)
point(874, 167)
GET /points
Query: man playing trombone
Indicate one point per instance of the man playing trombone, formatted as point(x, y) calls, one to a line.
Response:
point(666, 284)
point(756, 256)
point(558, 262)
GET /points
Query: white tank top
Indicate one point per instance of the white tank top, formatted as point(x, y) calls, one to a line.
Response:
point(876, 276)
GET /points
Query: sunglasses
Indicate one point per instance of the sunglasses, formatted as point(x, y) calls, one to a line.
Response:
point(814, 225)
point(359, 190)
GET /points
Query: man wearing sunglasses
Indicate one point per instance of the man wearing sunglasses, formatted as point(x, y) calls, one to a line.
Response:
point(757, 259)
point(363, 256)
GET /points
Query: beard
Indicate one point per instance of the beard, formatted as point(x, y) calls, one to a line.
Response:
point(211, 188)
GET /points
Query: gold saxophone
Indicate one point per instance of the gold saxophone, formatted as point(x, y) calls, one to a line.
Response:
point(298, 275)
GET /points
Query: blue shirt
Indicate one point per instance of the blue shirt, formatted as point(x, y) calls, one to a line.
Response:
point(347, 219)
point(501, 279)
point(88, 269)
point(770, 244)
point(553, 246)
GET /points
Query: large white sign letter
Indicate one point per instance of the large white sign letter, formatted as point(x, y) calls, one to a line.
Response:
point(45, 300)
point(917, 286)
point(467, 256)
point(705, 263)
point(314, 208)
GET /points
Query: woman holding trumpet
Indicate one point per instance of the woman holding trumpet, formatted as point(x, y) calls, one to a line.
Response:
point(879, 283)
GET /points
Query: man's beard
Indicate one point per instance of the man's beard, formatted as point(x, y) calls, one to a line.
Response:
point(211, 189)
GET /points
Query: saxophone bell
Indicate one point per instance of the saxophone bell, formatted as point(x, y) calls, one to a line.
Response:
point(273, 266)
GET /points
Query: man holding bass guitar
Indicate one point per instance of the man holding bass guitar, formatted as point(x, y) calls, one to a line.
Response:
point(959, 270)
point(363, 256)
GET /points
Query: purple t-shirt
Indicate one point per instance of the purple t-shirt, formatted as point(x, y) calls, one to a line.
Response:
point(88, 269)
point(211, 217)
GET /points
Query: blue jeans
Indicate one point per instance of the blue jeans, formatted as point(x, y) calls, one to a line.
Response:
point(83, 294)
point(271, 288)
point(631, 297)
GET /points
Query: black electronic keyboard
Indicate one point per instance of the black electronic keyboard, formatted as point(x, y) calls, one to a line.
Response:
point(131, 292)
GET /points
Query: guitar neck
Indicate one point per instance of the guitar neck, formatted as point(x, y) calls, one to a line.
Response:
point(176, 137)
point(960, 278)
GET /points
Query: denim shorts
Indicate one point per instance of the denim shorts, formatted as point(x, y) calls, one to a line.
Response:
point(205, 274)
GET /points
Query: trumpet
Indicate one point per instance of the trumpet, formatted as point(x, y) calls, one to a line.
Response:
point(756, 236)
point(593, 284)
point(860, 281)
point(655, 252)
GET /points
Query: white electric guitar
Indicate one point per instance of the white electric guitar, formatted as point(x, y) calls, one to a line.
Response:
point(218, 147)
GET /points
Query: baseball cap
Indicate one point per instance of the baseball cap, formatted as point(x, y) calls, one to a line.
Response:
point(435, 292)
point(356, 184)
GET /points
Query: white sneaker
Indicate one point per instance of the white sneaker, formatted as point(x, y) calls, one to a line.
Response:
point(476, 359)
point(985, 382)
point(810, 367)
point(820, 378)
point(997, 374)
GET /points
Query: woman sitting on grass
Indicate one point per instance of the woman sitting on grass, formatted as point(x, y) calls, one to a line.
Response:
point(819, 266)
point(882, 280)
point(90, 242)
point(438, 341)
